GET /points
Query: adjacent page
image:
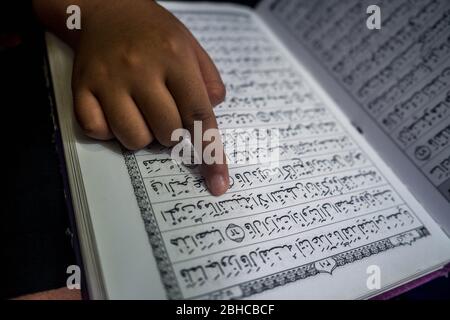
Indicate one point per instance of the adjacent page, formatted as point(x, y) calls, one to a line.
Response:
point(393, 82)
point(307, 223)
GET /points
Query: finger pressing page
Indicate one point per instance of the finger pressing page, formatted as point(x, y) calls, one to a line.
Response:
point(90, 115)
point(159, 110)
point(187, 87)
point(125, 119)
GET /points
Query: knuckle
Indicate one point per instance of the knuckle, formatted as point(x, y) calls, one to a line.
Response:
point(217, 92)
point(166, 138)
point(137, 142)
point(131, 59)
point(199, 114)
point(166, 141)
point(91, 73)
point(174, 45)
point(94, 129)
point(99, 69)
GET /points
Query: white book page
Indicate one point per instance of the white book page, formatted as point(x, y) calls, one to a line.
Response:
point(309, 227)
point(393, 83)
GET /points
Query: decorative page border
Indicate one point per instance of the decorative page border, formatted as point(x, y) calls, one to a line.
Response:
point(311, 269)
point(167, 274)
point(249, 288)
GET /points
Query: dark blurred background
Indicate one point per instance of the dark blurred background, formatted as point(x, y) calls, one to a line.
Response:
point(35, 246)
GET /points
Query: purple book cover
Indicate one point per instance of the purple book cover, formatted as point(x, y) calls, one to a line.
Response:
point(413, 284)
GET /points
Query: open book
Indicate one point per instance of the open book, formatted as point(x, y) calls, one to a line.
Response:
point(357, 200)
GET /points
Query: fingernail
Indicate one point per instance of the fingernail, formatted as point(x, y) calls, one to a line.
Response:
point(217, 184)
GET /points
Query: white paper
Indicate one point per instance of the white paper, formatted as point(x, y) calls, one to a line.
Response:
point(393, 82)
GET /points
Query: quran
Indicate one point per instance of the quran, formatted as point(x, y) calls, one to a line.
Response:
point(360, 187)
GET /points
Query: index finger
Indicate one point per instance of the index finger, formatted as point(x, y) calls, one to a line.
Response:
point(188, 89)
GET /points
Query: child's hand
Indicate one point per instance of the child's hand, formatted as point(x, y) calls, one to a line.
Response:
point(138, 74)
